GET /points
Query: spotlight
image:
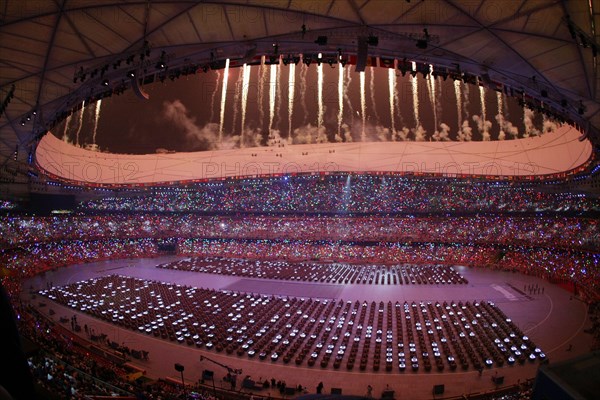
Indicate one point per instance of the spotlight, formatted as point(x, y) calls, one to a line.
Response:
point(105, 82)
point(131, 74)
point(544, 93)
point(321, 40)
point(307, 59)
point(161, 64)
point(22, 122)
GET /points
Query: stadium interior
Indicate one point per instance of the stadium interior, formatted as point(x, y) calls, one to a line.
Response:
point(299, 199)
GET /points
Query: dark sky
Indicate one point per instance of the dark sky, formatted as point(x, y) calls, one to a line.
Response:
point(181, 115)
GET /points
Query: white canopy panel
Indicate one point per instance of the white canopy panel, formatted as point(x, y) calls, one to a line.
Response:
point(552, 153)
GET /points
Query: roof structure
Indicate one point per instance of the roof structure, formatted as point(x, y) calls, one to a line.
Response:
point(55, 54)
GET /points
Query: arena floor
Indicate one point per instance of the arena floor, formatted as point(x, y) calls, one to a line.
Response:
point(554, 320)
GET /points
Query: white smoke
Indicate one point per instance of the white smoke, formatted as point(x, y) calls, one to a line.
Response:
point(420, 134)
point(382, 134)
point(466, 132)
point(466, 102)
point(443, 134)
point(304, 134)
point(530, 129)
point(199, 138)
point(549, 126)
point(483, 127)
point(402, 135)
point(251, 137)
point(506, 127)
point(276, 140)
point(321, 135)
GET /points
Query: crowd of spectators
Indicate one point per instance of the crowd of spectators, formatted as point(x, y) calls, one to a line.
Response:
point(580, 267)
point(348, 193)
point(566, 232)
point(34, 258)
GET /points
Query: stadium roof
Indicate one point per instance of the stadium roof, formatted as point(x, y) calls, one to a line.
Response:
point(58, 53)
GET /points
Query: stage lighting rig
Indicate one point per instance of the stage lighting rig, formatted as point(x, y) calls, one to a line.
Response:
point(321, 41)
point(422, 43)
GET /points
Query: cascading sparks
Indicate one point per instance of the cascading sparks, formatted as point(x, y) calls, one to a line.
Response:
point(272, 93)
point(291, 90)
point(415, 94)
point(320, 95)
point(245, 85)
point(431, 88)
point(223, 98)
point(340, 99)
point(363, 106)
point(96, 119)
point(80, 123)
point(458, 103)
point(392, 88)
